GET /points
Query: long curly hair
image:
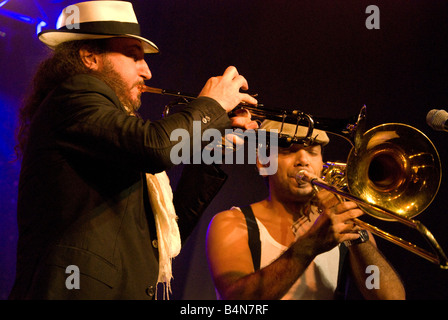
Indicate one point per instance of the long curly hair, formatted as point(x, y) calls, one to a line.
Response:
point(62, 64)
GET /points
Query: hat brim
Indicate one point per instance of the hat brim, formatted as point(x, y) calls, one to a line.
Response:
point(292, 130)
point(52, 38)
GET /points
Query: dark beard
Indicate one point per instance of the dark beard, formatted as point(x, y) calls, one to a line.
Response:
point(115, 81)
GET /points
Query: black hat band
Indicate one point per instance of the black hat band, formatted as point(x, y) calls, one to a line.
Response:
point(104, 27)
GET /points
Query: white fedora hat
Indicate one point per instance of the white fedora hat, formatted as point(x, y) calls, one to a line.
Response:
point(96, 20)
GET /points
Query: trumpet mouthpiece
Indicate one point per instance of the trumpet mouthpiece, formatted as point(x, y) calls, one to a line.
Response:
point(144, 88)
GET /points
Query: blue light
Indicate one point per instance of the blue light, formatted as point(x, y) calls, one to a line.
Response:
point(17, 16)
point(3, 2)
point(40, 25)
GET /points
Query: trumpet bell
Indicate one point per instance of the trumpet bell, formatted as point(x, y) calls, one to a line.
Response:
point(395, 167)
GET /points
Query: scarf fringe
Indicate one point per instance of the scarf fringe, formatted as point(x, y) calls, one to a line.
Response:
point(168, 235)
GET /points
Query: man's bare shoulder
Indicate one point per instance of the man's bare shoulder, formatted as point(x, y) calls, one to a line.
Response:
point(233, 216)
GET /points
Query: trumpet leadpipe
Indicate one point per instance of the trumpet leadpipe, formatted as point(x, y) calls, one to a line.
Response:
point(144, 88)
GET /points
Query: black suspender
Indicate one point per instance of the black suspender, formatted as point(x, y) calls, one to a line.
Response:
point(254, 236)
point(255, 249)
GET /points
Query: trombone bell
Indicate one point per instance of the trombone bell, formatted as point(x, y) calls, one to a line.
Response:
point(395, 167)
point(394, 173)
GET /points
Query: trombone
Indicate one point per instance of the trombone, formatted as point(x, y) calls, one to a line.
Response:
point(393, 170)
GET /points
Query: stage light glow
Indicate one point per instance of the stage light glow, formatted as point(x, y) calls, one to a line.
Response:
point(40, 25)
point(39, 21)
point(3, 2)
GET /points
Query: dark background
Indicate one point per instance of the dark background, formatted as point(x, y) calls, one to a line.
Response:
point(315, 56)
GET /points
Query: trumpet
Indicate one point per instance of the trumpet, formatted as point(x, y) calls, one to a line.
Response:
point(393, 170)
point(348, 128)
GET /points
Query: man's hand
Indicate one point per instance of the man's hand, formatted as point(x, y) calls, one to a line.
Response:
point(336, 221)
point(225, 89)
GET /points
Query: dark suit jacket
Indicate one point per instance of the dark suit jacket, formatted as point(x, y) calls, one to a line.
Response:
point(83, 199)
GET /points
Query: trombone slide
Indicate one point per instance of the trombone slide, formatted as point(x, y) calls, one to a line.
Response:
point(437, 257)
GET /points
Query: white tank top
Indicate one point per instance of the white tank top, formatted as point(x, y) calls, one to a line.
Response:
point(319, 280)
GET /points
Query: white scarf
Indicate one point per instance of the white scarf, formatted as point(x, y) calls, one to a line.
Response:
point(168, 236)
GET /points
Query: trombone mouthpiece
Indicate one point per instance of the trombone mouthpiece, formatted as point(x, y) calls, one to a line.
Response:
point(301, 177)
